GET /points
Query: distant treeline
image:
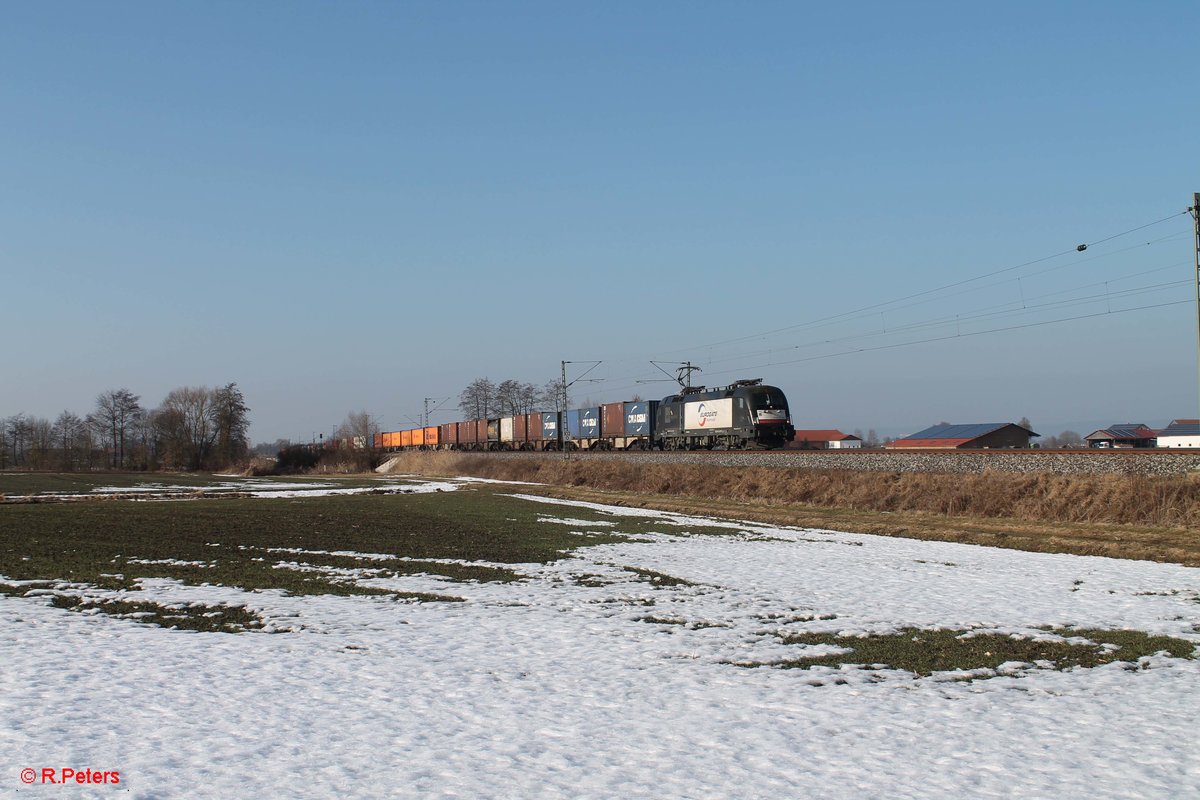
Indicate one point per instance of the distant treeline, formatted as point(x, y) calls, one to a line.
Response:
point(194, 428)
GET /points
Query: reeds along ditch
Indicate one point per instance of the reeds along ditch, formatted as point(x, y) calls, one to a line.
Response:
point(1167, 502)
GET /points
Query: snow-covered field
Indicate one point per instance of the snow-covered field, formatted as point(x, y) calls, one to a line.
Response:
point(558, 686)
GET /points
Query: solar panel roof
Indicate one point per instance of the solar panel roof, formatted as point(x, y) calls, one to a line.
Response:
point(1129, 430)
point(1181, 427)
point(958, 431)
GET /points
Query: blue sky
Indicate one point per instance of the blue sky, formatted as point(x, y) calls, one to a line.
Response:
point(359, 205)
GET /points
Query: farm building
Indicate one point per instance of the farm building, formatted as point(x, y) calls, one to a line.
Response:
point(979, 436)
point(1180, 433)
point(824, 440)
point(1129, 434)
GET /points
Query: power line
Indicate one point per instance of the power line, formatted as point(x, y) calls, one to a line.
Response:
point(978, 314)
point(996, 312)
point(955, 284)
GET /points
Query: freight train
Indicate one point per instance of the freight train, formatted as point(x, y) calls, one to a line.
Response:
point(744, 415)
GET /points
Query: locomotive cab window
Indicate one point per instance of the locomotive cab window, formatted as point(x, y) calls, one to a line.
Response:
point(766, 399)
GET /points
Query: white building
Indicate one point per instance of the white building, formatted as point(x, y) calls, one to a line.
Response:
point(1180, 433)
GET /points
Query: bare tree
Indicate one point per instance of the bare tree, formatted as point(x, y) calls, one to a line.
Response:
point(115, 411)
point(478, 400)
point(68, 431)
point(41, 442)
point(1070, 439)
point(508, 397)
point(74, 441)
point(16, 430)
point(554, 394)
point(528, 399)
point(185, 426)
point(360, 429)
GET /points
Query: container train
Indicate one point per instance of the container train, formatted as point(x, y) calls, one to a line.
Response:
point(744, 415)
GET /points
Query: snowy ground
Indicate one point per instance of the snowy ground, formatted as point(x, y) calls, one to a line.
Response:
point(558, 686)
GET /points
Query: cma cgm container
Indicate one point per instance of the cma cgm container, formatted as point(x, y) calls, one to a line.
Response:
point(589, 426)
point(639, 423)
point(550, 439)
point(627, 426)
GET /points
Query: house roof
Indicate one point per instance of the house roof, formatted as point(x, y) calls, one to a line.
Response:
point(964, 432)
point(947, 435)
point(1128, 430)
point(829, 435)
point(1182, 427)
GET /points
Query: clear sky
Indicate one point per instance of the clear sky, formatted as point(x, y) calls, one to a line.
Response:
point(358, 205)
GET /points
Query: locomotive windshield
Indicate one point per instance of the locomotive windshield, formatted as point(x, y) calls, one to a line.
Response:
point(767, 398)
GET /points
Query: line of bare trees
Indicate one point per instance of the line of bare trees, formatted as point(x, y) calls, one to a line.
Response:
point(483, 399)
point(194, 428)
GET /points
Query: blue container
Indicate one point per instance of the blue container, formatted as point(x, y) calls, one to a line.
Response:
point(589, 423)
point(572, 423)
point(550, 425)
point(639, 417)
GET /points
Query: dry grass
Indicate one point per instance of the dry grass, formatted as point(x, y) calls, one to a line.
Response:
point(1113, 515)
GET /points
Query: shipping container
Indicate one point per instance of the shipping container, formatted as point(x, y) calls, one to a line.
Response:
point(639, 418)
point(431, 436)
point(378, 441)
point(521, 430)
point(507, 428)
point(571, 422)
point(550, 429)
point(612, 420)
point(448, 435)
point(589, 423)
point(469, 433)
point(492, 428)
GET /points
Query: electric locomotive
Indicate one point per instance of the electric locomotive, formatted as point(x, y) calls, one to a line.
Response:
point(743, 415)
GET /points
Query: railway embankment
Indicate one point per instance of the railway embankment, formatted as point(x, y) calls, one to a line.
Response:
point(960, 462)
point(1144, 506)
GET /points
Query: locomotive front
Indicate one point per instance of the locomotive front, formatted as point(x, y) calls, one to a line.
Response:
point(745, 414)
point(769, 415)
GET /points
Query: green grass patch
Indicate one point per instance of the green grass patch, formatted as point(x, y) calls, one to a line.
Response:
point(659, 578)
point(233, 542)
point(37, 487)
point(191, 617)
point(40, 483)
point(924, 652)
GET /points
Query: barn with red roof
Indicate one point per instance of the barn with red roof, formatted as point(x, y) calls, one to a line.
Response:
point(1129, 434)
point(824, 439)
